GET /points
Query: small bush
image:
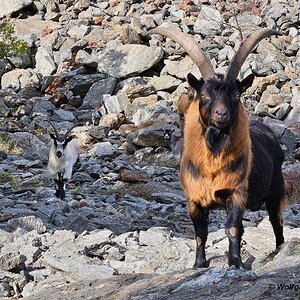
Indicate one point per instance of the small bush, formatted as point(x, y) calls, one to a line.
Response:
point(10, 45)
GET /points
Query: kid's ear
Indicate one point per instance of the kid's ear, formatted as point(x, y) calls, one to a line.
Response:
point(194, 82)
point(246, 82)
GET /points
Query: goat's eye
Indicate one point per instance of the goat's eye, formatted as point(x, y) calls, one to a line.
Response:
point(237, 96)
point(205, 98)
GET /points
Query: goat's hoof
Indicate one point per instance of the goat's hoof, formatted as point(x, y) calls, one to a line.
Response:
point(200, 264)
point(237, 263)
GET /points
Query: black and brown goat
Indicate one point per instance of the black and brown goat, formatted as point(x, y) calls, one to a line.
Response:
point(226, 159)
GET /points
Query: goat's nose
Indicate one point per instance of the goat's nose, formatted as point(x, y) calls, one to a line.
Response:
point(222, 112)
point(58, 154)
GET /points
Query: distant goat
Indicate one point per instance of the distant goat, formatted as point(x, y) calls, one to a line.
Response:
point(64, 153)
point(175, 142)
point(225, 160)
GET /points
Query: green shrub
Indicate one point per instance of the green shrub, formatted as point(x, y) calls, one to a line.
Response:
point(10, 45)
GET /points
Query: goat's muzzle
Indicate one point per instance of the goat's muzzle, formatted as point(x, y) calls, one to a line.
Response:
point(58, 153)
point(220, 117)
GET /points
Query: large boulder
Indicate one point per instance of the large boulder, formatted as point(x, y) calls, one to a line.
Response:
point(128, 60)
point(45, 64)
point(9, 7)
point(20, 78)
point(209, 21)
point(27, 28)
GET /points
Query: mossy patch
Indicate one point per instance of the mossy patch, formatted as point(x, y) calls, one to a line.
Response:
point(9, 146)
point(5, 177)
point(136, 189)
point(77, 191)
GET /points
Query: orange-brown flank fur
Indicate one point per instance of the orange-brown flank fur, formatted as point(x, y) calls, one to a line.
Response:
point(214, 175)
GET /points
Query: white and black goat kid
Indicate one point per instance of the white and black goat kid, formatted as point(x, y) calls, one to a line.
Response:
point(64, 153)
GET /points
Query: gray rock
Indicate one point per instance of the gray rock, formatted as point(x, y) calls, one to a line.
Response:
point(89, 239)
point(277, 126)
point(45, 64)
point(76, 223)
point(134, 87)
point(95, 94)
point(140, 103)
point(13, 261)
point(153, 237)
point(165, 82)
point(64, 115)
point(289, 140)
point(209, 21)
point(41, 107)
point(20, 78)
point(128, 60)
point(114, 104)
point(80, 177)
point(27, 224)
point(22, 61)
point(281, 111)
point(168, 198)
point(78, 267)
point(295, 101)
point(80, 84)
point(30, 29)
point(79, 32)
point(156, 111)
point(12, 6)
point(293, 116)
point(180, 68)
point(3, 108)
point(271, 97)
point(103, 150)
point(86, 59)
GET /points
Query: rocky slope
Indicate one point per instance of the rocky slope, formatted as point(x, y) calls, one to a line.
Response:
point(123, 231)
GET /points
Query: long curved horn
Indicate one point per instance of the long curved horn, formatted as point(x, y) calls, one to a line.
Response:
point(245, 48)
point(69, 130)
point(192, 48)
point(55, 130)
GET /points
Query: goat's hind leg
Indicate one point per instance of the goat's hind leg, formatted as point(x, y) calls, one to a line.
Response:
point(199, 216)
point(274, 208)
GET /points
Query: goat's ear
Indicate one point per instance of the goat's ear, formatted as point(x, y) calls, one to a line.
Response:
point(246, 82)
point(53, 137)
point(69, 139)
point(194, 82)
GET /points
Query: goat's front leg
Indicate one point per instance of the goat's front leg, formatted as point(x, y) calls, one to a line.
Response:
point(234, 231)
point(60, 186)
point(199, 216)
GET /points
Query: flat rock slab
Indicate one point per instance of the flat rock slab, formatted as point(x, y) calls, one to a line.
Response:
point(212, 283)
point(128, 60)
point(133, 176)
point(27, 27)
point(9, 7)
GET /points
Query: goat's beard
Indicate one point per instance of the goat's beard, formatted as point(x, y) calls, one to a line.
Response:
point(216, 139)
